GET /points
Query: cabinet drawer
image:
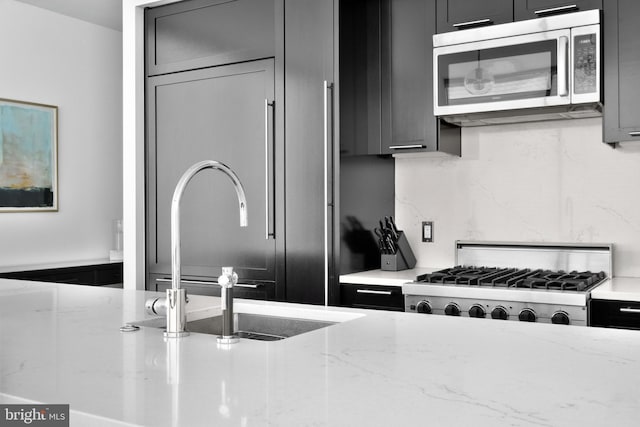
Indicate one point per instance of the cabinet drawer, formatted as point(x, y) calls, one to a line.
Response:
point(372, 297)
point(615, 314)
point(249, 290)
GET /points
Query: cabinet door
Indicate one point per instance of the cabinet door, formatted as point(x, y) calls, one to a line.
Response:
point(408, 123)
point(530, 9)
point(360, 77)
point(309, 138)
point(201, 33)
point(621, 70)
point(460, 14)
point(218, 114)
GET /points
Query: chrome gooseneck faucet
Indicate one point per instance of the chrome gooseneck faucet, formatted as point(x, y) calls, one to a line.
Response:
point(176, 296)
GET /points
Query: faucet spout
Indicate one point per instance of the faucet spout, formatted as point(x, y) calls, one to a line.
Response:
point(176, 297)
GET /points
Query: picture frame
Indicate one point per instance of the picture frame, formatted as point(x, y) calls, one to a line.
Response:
point(28, 156)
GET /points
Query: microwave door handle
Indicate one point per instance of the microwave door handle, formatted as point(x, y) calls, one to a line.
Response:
point(563, 69)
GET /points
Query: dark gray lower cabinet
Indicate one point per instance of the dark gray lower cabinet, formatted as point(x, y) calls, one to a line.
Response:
point(245, 289)
point(109, 274)
point(372, 297)
point(226, 114)
point(614, 314)
point(621, 40)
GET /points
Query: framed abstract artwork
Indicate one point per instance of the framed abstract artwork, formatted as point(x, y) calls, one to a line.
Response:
point(28, 156)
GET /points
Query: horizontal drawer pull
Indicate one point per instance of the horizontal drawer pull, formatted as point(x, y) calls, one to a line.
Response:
point(478, 22)
point(406, 147)
point(373, 292)
point(629, 310)
point(210, 283)
point(557, 9)
point(634, 133)
point(248, 285)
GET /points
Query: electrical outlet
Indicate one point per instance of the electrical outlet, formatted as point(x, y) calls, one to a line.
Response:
point(427, 231)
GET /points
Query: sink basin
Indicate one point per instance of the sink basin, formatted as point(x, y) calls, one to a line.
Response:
point(249, 325)
point(259, 326)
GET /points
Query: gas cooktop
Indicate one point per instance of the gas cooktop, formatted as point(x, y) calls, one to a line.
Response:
point(533, 282)
point(542, 279)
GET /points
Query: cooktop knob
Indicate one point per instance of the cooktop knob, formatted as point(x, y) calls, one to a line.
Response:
point(452, 309)
point(500, 313)
point(560, 318)
point(527, 315)
point(423, 307)
point(477, 310)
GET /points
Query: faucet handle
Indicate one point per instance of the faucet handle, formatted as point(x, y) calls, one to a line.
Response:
point(228, 277)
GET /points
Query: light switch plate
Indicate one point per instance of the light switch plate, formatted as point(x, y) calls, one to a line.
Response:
point(427, 231)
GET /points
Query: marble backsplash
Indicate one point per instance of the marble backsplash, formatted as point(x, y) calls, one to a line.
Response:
point(544, 182)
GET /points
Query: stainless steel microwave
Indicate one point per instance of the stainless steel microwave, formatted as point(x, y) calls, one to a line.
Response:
point(539, 69)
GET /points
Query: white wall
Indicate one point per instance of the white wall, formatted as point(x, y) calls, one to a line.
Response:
point(549, 182)
point(53, 59)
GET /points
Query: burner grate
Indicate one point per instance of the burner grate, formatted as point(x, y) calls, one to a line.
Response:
point(515, 278)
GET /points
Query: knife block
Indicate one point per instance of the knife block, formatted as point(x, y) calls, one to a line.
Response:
point(403, 259)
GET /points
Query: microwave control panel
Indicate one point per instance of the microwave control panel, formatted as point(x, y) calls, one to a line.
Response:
point(585, 63)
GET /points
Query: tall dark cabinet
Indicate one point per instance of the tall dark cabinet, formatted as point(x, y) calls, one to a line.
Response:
point(310, 165)
point(621, 40)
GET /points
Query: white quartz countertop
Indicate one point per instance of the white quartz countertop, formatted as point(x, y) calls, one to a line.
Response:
point(618, 288)
point(384, 278)
point(62, 344)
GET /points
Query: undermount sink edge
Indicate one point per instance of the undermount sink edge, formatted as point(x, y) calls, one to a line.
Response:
point(261, 322)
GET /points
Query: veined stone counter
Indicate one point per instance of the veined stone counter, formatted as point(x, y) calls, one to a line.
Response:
point(62, 344)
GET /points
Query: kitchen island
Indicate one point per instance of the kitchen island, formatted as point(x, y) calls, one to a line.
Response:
point(63, 344)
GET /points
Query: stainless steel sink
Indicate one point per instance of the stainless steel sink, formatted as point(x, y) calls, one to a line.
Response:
point(249, 325)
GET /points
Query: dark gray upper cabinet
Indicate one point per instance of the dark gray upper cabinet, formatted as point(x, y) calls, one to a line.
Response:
point(530, 9)
point(360, 77)
point(407, 120)
point(461, 14)
point(621, 41)
point(220, 113)
point(202, 33)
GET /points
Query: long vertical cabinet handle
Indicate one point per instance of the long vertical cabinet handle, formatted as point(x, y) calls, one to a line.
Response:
point(267, 193)
point(326, 88)
point(563, 69)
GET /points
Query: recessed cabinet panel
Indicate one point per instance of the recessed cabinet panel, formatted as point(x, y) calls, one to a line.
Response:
point(621, 70)
point(201, 33)
point(461, 14)
point(217, 114)
point(530, 9)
